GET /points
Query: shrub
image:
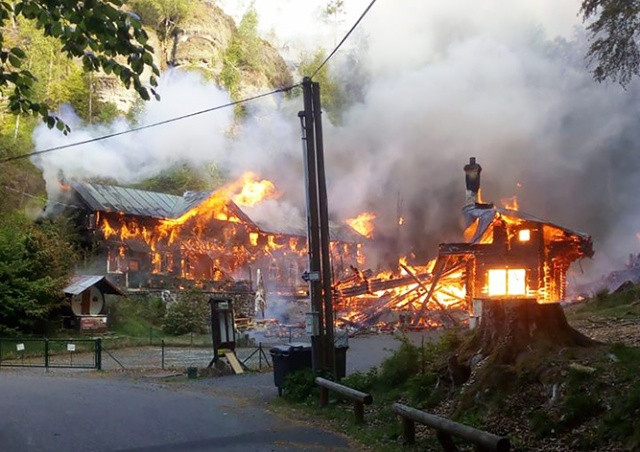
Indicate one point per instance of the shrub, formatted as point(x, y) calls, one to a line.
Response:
point(400, 366)
point(188, 314)
point(299, 385)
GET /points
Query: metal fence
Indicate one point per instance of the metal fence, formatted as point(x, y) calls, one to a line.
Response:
point(51, 353)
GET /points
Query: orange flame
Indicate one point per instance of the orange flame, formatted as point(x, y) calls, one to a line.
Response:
point(254, 191)
point(510, 203)
point(363, 224)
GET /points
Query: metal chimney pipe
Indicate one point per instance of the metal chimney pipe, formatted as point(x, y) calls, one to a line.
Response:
point(472, 180)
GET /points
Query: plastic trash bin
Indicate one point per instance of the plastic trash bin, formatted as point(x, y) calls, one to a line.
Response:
point(289, 358)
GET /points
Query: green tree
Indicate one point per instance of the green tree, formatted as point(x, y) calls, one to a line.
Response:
point(176, 180)
point(614, 36)
point(163, 15)
point(189, 314)
point(98, 32)
point(332, 96)
point(242, 54)
point(35, 260)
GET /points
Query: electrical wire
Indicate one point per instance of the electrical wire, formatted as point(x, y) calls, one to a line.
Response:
point(190, 115)
point(147, 126)
point(326, 60)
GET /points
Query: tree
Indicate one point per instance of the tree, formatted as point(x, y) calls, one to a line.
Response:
point(332, 96)
point(242, 54)
point(34, 262)
point(97, 32)
point(614, 37)
point(188, 314)
point(163, 15)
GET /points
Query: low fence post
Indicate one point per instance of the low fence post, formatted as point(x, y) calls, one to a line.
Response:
point(98, 359)
point(260, 356)
point(408, 430)
point(359, 398)
point(324, 396)
point(46, 354)
point(162, 347)
point(446, 429)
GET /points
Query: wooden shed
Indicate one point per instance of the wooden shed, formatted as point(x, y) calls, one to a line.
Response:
point(86, 295)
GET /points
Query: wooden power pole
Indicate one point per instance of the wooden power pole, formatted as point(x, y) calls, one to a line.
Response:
point(319, 273)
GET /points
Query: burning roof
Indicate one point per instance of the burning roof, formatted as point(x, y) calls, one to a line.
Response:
point(143, 203)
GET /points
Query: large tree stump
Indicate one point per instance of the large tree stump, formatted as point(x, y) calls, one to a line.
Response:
point(509, 327)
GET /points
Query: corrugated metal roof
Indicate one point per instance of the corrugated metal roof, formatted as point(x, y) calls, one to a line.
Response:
point(131, 201)
point(111, 198)
point(80, 283)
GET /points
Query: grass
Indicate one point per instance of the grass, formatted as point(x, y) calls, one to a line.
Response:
point(596, 404)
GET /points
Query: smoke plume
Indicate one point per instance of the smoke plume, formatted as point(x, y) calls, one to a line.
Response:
point(429, 84)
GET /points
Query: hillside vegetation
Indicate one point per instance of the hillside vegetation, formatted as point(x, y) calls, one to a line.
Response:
point(570, 398)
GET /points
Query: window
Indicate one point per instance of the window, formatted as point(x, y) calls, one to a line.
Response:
point(524, 235)
point(511, 281)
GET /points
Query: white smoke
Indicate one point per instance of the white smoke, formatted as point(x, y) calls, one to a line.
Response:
point(434, 82)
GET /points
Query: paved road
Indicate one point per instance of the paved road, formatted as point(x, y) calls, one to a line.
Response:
point(83, 412)
point(48, 413)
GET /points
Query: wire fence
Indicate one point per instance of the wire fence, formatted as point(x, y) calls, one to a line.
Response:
point(51, 353)
point(172, 353)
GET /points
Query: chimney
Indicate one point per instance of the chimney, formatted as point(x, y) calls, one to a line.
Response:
point(472, 180)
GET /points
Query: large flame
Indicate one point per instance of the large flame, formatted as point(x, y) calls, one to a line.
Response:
point(215, 239)
point(363, 224)
point(254, 191)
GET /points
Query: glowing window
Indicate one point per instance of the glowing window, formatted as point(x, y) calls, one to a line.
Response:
point(516, 281)
point(507, 281)
point(497, 282)
point(524, 235)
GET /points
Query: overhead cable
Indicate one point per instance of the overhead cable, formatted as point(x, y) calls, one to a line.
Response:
point(147, 126)
point(343, 39)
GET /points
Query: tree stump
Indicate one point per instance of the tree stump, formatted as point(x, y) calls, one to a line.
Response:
point(509, 327)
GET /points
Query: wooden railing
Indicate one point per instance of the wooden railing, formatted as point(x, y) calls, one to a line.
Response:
point(446, 429)
point(359, 398)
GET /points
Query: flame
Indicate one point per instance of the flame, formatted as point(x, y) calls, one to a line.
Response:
point(400, 221)
point(363, 224)
point(510, 203)
point(254, 191)
point(214, 240)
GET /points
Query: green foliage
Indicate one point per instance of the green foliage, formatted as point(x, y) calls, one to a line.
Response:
point(400, 366)
point(182, 177)
point(189, 314)
point(362, 381)
point(35, 260)
point(135, 316)
point(163, 15)
point(104, 38)
point(299, 385)
point(332, 96)
point(615, 36)
point(243, 53)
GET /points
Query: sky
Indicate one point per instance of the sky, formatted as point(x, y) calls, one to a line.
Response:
point(427, 85)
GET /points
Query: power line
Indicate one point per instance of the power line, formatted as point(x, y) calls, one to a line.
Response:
point(147, 126)
point(219, 107)
point(364, 13)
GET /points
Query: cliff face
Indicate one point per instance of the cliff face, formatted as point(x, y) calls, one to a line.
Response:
point(200, 43)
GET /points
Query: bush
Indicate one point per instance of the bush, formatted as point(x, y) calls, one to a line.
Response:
point(299, 385)
point(189, 314)
point(401, 366)
point(362, 381)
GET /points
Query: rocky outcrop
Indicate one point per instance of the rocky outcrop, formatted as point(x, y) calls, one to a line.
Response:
point(199, 44)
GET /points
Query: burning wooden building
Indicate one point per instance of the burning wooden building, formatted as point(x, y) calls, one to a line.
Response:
point(150, 240)
point(507, 254)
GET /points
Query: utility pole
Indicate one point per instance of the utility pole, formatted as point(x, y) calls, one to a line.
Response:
point(319, 273)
